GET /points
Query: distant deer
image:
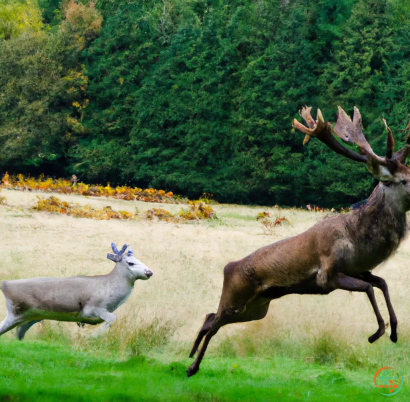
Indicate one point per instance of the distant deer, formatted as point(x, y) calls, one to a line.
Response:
point(81, 299)
point(336, 253)
point(73, 180)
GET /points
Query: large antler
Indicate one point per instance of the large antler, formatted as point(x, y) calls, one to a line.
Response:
point(323, 132)
point(350, 132)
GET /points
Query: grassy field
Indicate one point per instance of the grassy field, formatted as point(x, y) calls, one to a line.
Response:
point(307, 348)
point(38, 370)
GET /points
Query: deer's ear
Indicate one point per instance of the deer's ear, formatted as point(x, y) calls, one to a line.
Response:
point(113, 257)
point(383, 172)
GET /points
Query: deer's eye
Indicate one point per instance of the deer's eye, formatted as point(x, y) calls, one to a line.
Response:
point(131, 263)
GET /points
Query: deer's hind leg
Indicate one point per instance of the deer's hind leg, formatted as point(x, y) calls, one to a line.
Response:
point(12, 319)
point(255, 310)
point(23, 328)
point(209, 319)
point(239, 296)
point(10, 322)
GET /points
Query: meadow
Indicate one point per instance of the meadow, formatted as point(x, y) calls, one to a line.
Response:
point(307, 348)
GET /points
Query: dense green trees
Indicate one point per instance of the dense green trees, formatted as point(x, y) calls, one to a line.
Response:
point(198, 96)
point(43, 91)
point(17, 17)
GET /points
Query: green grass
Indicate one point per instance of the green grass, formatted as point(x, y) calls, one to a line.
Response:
point(38, 370)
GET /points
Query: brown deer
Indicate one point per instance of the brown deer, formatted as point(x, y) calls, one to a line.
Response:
point(336, 253)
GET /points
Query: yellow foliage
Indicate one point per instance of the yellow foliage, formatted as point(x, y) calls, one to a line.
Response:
point(262, 215)
point(5, 179)
point(197, 211)
point(65, 187)
point(126, 215)
point(17, 17)
point(159, 213)
point(55, 205)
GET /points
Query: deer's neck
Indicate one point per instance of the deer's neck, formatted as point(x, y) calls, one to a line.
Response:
point(120, 284)
point(381, 224)
point(121, 276)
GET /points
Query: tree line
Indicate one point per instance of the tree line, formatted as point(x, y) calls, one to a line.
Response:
point(197, 96)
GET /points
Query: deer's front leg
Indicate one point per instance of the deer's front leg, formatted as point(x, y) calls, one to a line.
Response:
point(342, 281)
point(108, 318)
point(381, 284)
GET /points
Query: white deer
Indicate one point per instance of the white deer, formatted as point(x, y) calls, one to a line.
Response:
point(81, 299)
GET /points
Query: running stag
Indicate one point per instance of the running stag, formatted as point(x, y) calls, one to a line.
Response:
point(337, 253)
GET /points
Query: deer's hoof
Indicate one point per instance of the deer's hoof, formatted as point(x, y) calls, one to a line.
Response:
point(372, 339)
point(393, 337)
point(376, 336)
point(192, 370)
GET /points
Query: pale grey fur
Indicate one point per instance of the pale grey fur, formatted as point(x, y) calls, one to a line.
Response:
point(81, 299)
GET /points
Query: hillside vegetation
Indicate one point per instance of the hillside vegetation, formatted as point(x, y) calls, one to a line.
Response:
point(198, 96)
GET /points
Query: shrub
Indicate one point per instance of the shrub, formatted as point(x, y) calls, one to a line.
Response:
point(55, 205)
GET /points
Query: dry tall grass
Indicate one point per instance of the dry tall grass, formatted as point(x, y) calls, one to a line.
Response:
point(187, 260)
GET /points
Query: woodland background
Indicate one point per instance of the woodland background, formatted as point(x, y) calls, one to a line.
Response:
point(198, 96)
